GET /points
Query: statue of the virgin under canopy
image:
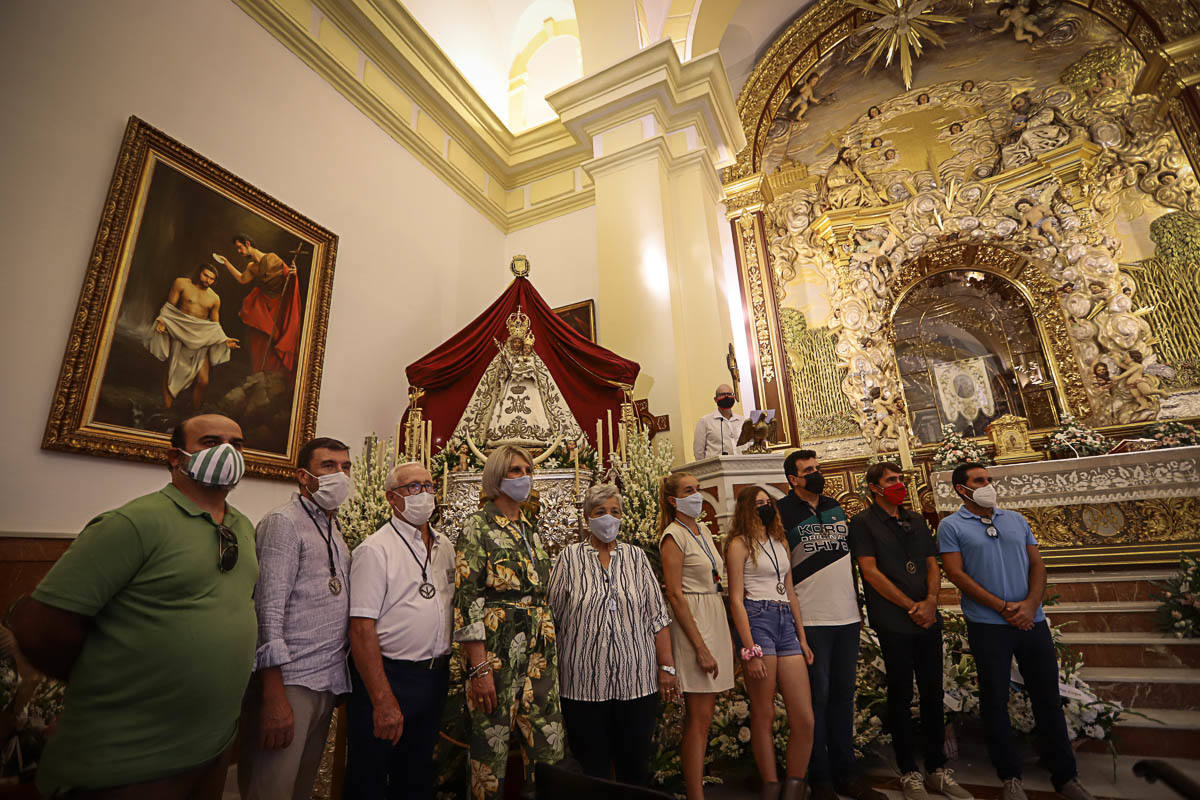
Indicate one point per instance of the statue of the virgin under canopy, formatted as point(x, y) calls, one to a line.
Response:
point(517, 401)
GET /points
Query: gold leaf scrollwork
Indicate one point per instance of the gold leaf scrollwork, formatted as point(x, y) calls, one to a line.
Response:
point(751, 264)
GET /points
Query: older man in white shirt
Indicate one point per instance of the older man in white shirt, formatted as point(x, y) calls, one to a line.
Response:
point(717, 433)
point(401, 590)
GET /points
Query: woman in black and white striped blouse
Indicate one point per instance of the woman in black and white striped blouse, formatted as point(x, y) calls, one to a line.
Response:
point(614, 649)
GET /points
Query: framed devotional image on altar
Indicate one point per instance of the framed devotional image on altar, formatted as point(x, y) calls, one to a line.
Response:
point(202, 294)
point(581, 316)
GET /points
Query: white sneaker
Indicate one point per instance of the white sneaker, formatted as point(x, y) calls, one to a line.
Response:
point(1013, 790)
point(913, 786)
point(941, 780)
point(1072, 790)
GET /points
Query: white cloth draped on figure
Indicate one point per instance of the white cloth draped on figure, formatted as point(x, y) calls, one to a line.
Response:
point(517, 402)
point(186, 342)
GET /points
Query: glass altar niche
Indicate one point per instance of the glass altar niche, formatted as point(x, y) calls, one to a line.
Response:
point(969, 350)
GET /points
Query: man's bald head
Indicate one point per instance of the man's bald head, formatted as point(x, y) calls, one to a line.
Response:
point(205, 430)
point(723, 389)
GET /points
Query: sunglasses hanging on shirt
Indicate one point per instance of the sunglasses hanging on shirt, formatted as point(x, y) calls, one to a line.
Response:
point(990, 528)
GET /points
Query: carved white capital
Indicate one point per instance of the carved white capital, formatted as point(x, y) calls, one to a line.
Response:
point(652, 94)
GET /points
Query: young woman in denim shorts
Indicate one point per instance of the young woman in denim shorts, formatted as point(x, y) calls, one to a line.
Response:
point(774, 652)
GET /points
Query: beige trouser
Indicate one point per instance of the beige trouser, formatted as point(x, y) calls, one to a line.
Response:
point(290, 772)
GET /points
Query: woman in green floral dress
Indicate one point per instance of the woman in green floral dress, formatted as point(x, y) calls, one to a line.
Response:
point(506, 630)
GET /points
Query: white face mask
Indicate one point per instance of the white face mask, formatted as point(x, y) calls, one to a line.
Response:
point(332, 489)
point(418, 508)
point(985, 496)
point(605, 528)
point(692, 505)
point(517, 488)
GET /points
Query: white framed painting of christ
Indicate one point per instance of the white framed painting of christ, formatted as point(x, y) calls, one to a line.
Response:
point(202, 294)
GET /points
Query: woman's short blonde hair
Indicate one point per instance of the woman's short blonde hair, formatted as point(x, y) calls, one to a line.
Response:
point(495, 469)
point(598, 494)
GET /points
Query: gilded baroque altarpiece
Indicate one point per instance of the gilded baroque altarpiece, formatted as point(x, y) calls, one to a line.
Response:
point(1026, 213)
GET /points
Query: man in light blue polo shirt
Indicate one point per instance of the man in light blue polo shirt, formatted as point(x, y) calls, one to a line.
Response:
point(991, 556)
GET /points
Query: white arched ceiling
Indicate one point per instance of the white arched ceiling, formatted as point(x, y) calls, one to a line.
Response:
point(484, 38)
point(753, 27)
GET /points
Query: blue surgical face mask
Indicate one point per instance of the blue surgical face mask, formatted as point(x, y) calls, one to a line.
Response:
point(517, 489)
point(605, 527)
point(692, 505)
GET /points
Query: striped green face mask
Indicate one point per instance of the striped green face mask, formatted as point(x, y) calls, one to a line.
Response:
point(220, 467)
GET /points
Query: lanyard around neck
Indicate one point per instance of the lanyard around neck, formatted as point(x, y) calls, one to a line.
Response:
point(428, 552)
point(326, 535)
point(774, 559)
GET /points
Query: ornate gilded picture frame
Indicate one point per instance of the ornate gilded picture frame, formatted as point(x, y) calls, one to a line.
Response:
point(581, 316)
point(202, 294)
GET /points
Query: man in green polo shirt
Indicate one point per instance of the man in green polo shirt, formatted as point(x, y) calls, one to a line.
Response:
point(149, 616)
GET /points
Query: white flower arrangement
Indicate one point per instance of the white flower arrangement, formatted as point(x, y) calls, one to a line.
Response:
point(1087, 716)
point(638, 477)
point(368, 508)
point(956, 449)
point(1179, 609)
point(1073, 439)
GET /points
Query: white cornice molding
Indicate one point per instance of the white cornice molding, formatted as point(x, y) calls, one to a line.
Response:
point(395, 45)
point(386, 65)
point(653, 81)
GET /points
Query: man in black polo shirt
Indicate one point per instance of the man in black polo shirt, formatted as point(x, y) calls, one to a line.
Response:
point(896, 556)
point(824, 580)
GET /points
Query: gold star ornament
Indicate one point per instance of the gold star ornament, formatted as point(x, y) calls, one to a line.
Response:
point(902, 27)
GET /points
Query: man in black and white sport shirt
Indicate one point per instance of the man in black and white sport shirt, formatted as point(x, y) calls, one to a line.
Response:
point(821, 571)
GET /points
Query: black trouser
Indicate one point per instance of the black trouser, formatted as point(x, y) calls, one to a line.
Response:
point(375, 768)
point(831, 676)
point(616, 735)
point(906, 654)
point(994, 647)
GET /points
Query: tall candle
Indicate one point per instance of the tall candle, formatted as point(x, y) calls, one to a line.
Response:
point(600, 444)
point(445, 481)
point(429, 446)
point(611, 452)
point(621, 431)
point(906, 460)
point(575, 454)
point(399, 439)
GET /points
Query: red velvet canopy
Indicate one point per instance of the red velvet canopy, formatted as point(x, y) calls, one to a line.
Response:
point(585, 372)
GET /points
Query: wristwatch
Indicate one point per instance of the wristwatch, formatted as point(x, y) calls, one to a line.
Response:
point(667, 668)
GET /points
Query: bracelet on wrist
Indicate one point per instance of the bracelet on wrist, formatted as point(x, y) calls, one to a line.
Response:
point(751, 652)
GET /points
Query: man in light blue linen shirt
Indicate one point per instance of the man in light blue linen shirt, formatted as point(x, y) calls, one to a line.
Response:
point(303, 604)
point(991, 556)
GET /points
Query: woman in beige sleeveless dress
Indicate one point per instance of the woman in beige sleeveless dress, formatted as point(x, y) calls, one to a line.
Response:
point(700, 641)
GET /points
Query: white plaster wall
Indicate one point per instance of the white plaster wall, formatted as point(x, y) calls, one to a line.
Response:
point(71, 73)
point(562, 257)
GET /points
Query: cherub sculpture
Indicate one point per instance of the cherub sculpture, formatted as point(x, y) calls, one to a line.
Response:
point(805, 96)
point(1143, 388)
point(885, 420)
point(464, 459)
point(1020, 19)
point(1038, 218)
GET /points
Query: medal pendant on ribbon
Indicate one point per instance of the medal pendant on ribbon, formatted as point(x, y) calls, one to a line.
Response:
point(426, 590)
point(335, 585)
point(780, 588)
point(911, 567)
